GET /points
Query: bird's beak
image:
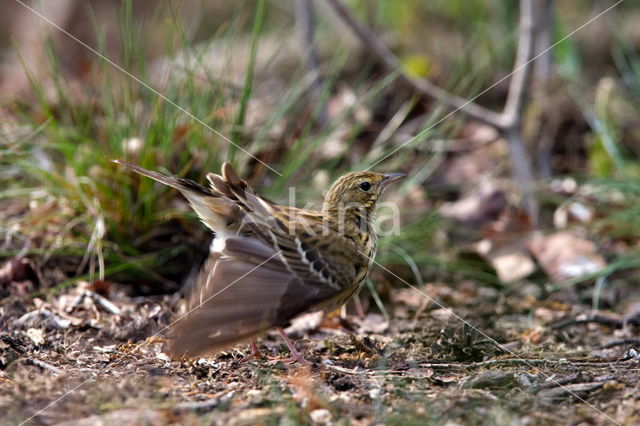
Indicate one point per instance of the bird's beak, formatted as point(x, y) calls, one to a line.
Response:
point(390, 178)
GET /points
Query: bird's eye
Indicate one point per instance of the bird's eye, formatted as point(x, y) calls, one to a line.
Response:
point(365, 186)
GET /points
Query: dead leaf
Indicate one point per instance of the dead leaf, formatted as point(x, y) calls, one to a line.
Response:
point(372, 323)
point(477, 208)
point(467, 168)
point(16, 269)
point(511, 262)
point(304, 323)
point(564, 255)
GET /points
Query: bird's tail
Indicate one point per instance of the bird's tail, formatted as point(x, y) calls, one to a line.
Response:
point(214, 209)
point(179, 183)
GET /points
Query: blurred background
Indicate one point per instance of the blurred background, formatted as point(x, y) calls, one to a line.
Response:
point(533, 195)
point(295, 87)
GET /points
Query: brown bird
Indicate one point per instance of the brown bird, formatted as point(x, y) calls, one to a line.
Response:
point(269, 263)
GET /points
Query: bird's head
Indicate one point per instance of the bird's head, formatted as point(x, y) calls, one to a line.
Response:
point(358, 191)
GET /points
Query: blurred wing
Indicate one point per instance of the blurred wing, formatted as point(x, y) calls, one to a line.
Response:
point(241, 294)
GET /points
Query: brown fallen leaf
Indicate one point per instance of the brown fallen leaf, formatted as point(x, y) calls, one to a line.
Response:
point(510, 259)
point(478, 207)
point(504, 245)
point(564, 255)
point(16, 269)
point(305, 323)
point(372, 323)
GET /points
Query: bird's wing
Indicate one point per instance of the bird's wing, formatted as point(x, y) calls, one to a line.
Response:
point(317, 253)
point(243, 291)
point(228, 184)
point(311, 250)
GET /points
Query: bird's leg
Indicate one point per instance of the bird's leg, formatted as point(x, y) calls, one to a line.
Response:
point(255, 353)
point(295, 355)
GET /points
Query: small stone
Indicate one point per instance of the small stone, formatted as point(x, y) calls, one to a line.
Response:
point(163, 357)
point(320, 416)
point(36, 335)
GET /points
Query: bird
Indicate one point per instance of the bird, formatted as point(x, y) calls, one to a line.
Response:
point(269, 263)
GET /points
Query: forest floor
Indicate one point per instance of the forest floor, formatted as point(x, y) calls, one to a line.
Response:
point(82, 356)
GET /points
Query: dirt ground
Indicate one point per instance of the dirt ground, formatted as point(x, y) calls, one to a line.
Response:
point(84, 359)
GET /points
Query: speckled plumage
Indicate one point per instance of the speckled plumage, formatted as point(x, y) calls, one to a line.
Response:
point(270, 263)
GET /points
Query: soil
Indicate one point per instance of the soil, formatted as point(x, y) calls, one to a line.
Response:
point(92, 355)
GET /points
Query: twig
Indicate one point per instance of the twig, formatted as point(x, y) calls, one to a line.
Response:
point(493, 362)
point(570, 390)
point(372, 373)
point(425, 87)
point(512, 113)
point(106, 304)
point(200, 407)
point(520, 76)
point(554, 383)
point(508, 122)
point(43, 365)
point(546, 130)
point(621, 343)
point(305, 21)
point(544, 36)
point(593, 363)
point(522, 172)
point(598, 319)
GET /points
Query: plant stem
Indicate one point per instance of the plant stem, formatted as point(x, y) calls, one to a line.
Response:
point(248, 79)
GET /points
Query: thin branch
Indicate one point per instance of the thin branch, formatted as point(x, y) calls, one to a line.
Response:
point(632, 342)
point(522, 169)
point(605, 320)
point(506, 362)
point(43, 365)
point(507, 122)
point(544, 37)
point(520, 76)
point(425, 87)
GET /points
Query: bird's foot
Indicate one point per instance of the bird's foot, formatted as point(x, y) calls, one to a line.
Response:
point(297, 357)
point(255, 353)
point(252, 356)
